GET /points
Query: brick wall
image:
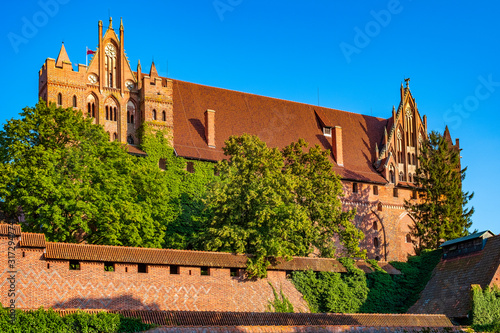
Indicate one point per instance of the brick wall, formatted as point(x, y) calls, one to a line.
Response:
point(50, 283)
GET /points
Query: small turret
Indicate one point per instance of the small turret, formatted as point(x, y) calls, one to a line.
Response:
point(62, 57)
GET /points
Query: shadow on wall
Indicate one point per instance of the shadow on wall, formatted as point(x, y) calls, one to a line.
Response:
point(368, 220)
point(124, 302)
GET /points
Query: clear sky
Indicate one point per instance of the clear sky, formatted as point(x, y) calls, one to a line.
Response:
point(356, 53)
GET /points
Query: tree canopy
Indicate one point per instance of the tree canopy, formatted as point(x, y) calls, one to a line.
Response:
point(277, 204)
point(61, 176)
point(440, 213)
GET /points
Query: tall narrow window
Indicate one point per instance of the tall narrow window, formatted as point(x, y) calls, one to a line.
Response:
point(414, 161)
point(91, 109)
point(354, 187)
point(395, 193)
point(392, 174)
point(130, 112)
point(375, 225)
point(409, 178)
point(401, 176)
point(114, 113)
point(115, 136)
point(190, 167)
point(375, 190)
point(154, 114)
point(107, 112)
point(74, 101)
point(408, 238)
point(110, 64)
point(163, 116)
point(375, 242)
point(59, 99)
point(128, 117)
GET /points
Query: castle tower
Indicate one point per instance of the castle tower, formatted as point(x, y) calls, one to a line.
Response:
point(108, 90)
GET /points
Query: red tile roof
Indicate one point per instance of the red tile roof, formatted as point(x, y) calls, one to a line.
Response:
point(275, 121)
point(212, 318)
point(123, 254)
point(448, 290)
point(84, 252)
point(6, 229)
point(134, 150)
point(32, 240)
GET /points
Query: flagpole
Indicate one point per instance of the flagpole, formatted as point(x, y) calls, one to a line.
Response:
point(86, 56)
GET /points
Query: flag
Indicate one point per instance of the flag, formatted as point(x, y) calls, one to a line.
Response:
point(90, 51)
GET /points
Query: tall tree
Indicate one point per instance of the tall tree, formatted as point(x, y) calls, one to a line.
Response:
point(63, 177)
point(267, 203)
point(440, 212)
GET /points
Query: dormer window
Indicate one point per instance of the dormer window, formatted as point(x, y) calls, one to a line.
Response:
point(327, 131)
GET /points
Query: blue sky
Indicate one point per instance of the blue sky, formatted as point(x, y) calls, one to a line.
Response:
point(356, 54)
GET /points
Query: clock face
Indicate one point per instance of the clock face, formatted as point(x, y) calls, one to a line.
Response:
point(92, 78)
point(110, 50)
point(130, 85)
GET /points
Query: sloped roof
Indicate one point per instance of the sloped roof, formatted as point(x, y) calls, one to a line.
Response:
point(103, 253)
point(448, 290)
point(481, 234)
point(277, 122)
point(62, 57)
point(207, 319)
point(29, 239)
point(6, 229)
point(123, 254)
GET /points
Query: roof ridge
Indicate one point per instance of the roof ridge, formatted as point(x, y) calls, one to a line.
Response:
point(280, 99)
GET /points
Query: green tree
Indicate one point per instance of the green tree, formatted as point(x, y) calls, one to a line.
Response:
point(266, 204)
point(63, 177)
point(440, 213)
point(187, 190)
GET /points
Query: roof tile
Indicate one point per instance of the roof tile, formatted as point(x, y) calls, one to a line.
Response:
point(237, 113)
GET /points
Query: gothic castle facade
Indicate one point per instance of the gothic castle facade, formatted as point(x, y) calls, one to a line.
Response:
point(376, 158)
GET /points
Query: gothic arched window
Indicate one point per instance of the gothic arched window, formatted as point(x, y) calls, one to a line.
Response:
point(59, 99)
point(130, 112)
point(74, 101)
point(154, 114)
point(163, 116)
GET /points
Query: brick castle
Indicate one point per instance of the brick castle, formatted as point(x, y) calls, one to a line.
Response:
point(376, 158)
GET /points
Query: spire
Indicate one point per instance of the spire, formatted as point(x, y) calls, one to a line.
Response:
point(152, 72)
point(447, 136)
point(121, 23)
point(62, 57)
point(110, 23)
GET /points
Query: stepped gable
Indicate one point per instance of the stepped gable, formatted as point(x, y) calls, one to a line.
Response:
point(449, 289)
point(277, 122)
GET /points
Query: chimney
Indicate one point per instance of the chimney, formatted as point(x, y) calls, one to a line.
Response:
point(337, 150)
point(210, 127)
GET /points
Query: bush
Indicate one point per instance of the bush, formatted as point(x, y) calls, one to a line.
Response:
point(485, 308)
point(377, 292)
point(49, 321)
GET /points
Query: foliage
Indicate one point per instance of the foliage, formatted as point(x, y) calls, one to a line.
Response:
point(333, 292)
point(187, 190)
point(485, 308)
point(276, 204)
point(397, 293)
point(377, 292)
point(280, 303)
point(440, 212)
point(60, 173)
point(49, 321)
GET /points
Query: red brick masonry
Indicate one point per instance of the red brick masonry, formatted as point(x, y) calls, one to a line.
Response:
point(143, 279)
